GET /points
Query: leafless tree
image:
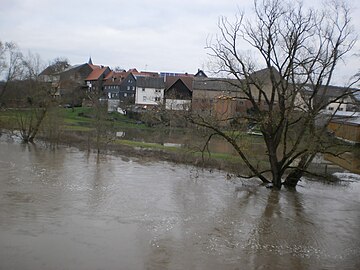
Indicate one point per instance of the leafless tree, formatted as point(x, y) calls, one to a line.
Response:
point(103, 132)
point(40, 98)
point(59, 64)
point(298, 50)
point(11, 65)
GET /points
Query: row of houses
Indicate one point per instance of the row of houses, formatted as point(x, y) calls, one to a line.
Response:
point(125, 87)
point(181, 91)
point(174, 90)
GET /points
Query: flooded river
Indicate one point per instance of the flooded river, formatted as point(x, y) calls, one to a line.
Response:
point(65, 209)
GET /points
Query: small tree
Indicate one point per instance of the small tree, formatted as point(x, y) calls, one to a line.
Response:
point(39, 99)
point(299, 50)
point(11, 66)
point(103, 132)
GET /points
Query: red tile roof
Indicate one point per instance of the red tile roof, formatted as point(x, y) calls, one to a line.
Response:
point(96, 73)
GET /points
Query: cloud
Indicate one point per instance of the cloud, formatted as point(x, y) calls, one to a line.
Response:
point(161, 35)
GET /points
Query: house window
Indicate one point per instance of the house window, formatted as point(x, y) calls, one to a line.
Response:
point(128, 88)
point(133, 88)
point(157, 90)
point(157, 98)
point(341, 109)
point(125, 94)
point(144, 98)
point(143, 89)
point(330, 108)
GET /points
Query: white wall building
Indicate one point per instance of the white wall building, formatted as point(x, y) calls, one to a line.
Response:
point(149, 91)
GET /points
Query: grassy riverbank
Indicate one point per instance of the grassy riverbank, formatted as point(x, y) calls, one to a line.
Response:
point(122, 135)
point(79, 126)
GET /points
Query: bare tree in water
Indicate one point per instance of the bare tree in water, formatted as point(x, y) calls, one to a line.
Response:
point(103, 131)
point(38, 99)
point(298, 50)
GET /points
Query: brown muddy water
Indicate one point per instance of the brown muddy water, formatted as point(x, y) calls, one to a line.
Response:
point(66, 209)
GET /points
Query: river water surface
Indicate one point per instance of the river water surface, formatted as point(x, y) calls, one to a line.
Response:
point(66, 209)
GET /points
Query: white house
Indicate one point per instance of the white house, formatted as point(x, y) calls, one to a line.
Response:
point(149, 91)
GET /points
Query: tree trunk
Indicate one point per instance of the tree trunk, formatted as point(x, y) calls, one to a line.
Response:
point(293, 178)
point(276, 180)
point(30, 129)
point(274, 163)
point(39, 120)
point(275, 170)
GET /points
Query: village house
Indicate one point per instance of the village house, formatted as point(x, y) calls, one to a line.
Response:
point(178, 92)
point(225, 97)
point(96, 78)
point(149, 91)
point(68, 83)
point(120, 86)
point(179, 89)
point(218, 97)
point(72, 82)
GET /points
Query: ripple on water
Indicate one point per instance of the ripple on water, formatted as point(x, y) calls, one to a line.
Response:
point(166, 216)
point(345, 176)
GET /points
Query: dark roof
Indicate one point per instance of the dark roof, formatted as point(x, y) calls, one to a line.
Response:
point(116, 78)
point(171, 80)
point(150, 82)
point(333, 91)
point(216, 84)
point(83, 69)
point(48, 71)
point(55, 68)
point(200, 73)
point(227, 84)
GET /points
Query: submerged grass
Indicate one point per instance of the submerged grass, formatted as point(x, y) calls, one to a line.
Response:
point(183, 151)
point(82, 119)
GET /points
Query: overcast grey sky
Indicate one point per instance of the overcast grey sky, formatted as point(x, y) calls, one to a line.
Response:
point(156, 35)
